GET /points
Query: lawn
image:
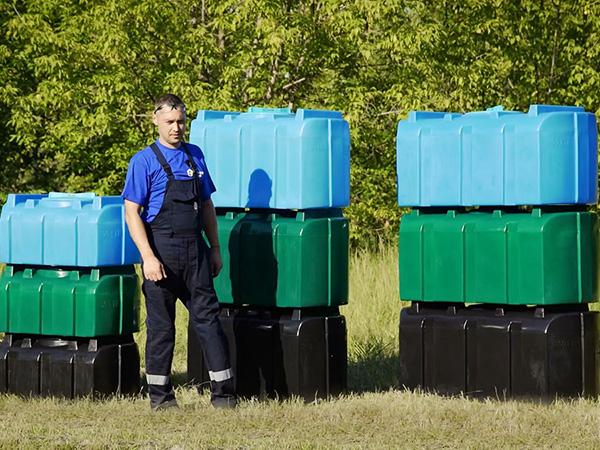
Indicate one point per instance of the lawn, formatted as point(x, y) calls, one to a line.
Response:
point(374, 414)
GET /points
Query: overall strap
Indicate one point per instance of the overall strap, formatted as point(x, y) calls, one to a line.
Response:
point(162, 161)
point(190, 159)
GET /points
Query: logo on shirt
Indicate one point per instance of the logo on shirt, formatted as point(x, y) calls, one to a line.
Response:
point(190, 173)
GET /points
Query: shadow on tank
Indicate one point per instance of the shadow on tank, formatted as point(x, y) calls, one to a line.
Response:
point(260, 190)
point(252, 265)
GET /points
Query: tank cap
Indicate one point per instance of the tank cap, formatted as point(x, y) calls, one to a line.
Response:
point(71, 196)
point(259, 110)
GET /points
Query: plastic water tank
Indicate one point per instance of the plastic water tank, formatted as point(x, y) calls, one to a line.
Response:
point(501, 258)
point(497, 157)
point(273, 158)
point(59, 229)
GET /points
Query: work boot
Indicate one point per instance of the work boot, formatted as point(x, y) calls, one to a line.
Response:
point(224, 402)
point(169, 404)
point(223, 394)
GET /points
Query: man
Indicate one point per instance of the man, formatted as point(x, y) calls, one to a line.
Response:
point(167, 204)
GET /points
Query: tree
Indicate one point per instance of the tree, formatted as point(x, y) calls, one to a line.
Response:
point(78, 77)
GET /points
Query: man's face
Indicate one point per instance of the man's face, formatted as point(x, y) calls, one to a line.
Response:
point(171, 125)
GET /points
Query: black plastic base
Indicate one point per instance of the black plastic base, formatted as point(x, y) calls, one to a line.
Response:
point(33, 365)
point(499, 351)
point(280, 352)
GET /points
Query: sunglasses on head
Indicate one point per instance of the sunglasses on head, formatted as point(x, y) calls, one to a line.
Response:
point(173, 106)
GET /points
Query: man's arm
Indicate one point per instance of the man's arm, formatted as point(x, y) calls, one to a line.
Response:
point(153, 269)
point(209, 217)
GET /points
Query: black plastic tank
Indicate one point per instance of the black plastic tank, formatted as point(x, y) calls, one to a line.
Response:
point(280, 352)
point(499, 351)
point(33, 365)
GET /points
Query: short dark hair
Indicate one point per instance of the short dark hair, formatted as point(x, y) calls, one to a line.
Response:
point(168, 100)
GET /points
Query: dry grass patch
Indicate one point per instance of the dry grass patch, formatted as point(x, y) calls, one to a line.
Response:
point(374, 415)
point(371, 420)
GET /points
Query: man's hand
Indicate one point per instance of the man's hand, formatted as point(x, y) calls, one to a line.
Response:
point(153, 269)
point(216, 263)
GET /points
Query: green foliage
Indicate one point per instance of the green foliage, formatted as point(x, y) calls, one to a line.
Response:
point(78, 78)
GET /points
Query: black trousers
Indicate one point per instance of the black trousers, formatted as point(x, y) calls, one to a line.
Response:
point(186, 260)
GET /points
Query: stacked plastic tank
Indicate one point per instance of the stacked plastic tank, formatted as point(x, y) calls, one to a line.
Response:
point(281, 180)
point(69, 297)
point(499, 256)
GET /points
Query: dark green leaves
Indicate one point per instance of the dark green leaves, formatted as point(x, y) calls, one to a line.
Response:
point(78, 78)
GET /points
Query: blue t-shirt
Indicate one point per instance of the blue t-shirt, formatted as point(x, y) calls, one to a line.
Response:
point(146, 181)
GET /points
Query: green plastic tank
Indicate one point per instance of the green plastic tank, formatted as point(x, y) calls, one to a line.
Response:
point(75, 303)
point(283, 259)
point(523, 258)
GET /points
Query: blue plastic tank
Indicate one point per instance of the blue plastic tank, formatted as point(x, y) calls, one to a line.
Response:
point(59, 229)
point(273, 158)
point(497, 157)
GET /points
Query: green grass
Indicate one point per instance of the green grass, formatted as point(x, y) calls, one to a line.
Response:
point(373, 314)
point(369, 420)
point(375, 414)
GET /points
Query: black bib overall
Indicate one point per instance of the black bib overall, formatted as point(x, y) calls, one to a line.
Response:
point(175, 237)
